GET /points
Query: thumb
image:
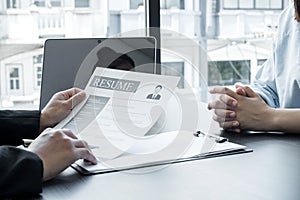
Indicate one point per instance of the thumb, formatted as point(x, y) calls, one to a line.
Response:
point(239, 89)
point(77, 98)
point(250, 92)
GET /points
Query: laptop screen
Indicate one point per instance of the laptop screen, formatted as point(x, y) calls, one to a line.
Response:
point(65, 59)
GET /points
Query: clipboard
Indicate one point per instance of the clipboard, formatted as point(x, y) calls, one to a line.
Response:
point(186, 146)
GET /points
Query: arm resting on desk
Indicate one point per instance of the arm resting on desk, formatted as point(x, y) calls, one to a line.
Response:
point(16, 125)
point(254, 114)
point(250, 112)
point(286, 120)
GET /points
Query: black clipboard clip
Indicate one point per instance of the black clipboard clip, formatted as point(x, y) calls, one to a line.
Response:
point(218, 139)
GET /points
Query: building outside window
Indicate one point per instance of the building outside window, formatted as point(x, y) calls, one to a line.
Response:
point(208, 23)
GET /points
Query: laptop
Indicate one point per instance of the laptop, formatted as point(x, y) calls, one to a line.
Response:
point(67, 59)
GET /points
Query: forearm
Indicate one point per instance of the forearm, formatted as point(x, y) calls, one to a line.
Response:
point(286, 120)
point(44, 122)
point(16, 125)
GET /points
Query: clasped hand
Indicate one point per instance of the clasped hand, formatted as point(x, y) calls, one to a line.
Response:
point(238, 110)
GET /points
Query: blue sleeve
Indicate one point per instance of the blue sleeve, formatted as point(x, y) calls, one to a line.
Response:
point(265, 83)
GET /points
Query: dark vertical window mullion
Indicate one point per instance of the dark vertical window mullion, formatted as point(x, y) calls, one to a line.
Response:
point(153, 10)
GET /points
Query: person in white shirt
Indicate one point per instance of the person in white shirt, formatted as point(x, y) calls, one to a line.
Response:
point(272, 102)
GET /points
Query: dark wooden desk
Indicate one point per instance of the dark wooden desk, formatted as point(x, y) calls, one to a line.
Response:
point(271, 172)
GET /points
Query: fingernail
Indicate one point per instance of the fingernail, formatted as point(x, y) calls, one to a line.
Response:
point(95, 162)
point(232, 115)
point(234, 103)
point(235, 124)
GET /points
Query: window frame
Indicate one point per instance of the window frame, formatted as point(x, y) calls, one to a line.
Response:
point(10, 4)
point(82, 7)
point(152, 12)
point(134, 5)
point(223, 64)
point(254, 6)
point(60, 2)
point(179, 69)
point(165, 5)
point(44, 3)
point(9, 89)
point(36, 65)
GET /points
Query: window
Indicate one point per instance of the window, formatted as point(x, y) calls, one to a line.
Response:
point(180, 36)
point(12, 3)
point(38, 66)
point(228, 72)
point(14, 78)
point(48, 3)
point(174, 69)
point(55, 3)
point(276, 4)
point(40, 3)
point(269, 4)
point(167, 4)
point(82, 3)
point(260, 62)
point(135, 4)
point(246, 4)
point(125, 18)
point(262, 3)
point(253, 4)
point(230, 4)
